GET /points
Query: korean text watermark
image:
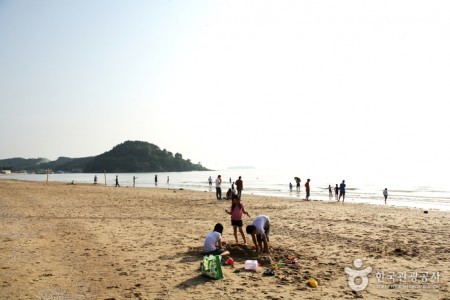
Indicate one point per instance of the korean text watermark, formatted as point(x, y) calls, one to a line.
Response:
point(359, 279)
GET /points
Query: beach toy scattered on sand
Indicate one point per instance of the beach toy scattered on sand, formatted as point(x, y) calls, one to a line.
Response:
point(269, 272)
point(251, 265)
point(292, 261)
point(277, 266)
point(230, 261)
point(312, 282)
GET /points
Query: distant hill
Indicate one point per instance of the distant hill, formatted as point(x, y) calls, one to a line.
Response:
point(241, 167)
point(18, 163)
point(130, 156)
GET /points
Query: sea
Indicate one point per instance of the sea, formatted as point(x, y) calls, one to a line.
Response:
point(270, 183)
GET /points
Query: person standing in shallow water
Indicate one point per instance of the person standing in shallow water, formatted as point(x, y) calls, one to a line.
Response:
point(385, 194)
point(336, 192)
point(330, 191)
point(342, 191)
point(307, 189)
point(297, 181)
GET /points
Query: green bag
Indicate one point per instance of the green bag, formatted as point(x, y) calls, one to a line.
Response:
point(212, 266)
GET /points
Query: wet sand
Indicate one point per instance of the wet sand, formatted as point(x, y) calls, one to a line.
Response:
point(62, 241)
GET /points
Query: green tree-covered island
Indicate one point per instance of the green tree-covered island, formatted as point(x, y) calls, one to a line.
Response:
point(128, 157)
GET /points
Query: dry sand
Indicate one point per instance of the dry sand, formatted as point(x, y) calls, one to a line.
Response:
point(61, 241)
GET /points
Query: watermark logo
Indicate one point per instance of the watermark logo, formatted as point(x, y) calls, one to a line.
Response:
point(362, 274)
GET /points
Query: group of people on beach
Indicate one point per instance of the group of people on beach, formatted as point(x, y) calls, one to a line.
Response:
point(134, 180)
point(339, 190)
point(231, 191)
point(258, 230)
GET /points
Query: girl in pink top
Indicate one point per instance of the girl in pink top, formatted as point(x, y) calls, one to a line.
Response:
point(237, 209)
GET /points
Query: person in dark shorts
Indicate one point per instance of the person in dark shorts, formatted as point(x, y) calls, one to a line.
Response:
point(336, 192)
point(342, 191)
point(236, 211)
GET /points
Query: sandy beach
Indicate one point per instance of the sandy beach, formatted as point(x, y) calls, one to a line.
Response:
point(62, 241)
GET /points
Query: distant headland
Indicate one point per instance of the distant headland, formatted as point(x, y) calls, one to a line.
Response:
point(241, 167)
point(128, 157)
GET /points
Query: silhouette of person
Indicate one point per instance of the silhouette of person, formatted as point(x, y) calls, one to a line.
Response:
point(336, 192)
point(290, 186)
point(95, 179)
point(134, 181)
point(330, 191)
point(342, 191)
point(385, 194)
point(307, 189)
point(298, 180)
point(117, 181)
point(239, 187)
point(156, 179)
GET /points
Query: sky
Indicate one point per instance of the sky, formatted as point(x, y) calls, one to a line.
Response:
point(355, 88)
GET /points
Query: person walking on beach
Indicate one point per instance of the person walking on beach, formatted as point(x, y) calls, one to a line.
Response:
point(342, 191)
point(134, 181)
point(336, 192)
point(95, 179)
point(385, 194)
point(307, 189)
point(117, 181)
point(259, 231)
point(239, 187)
point(156, 180)
point(297, 180)
point(330, 191)
point(218, 188)
point(236, 211)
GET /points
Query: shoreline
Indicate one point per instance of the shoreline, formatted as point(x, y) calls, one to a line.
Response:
point(97, 242)
point(294, 196)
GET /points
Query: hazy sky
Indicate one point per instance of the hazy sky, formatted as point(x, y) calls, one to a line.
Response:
point(347, 87)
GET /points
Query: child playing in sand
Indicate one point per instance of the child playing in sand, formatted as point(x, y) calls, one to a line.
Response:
point(213, 242)
point(259, 231)
point(236, 211)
